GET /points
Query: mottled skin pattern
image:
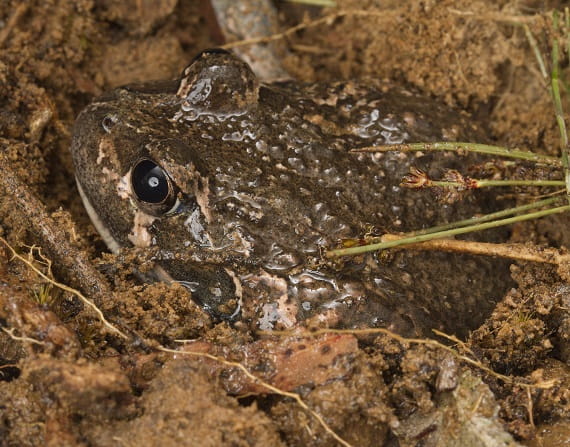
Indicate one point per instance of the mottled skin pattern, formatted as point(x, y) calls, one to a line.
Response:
point(265, 182)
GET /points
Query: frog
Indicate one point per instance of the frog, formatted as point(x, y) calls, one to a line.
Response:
point(236, 187)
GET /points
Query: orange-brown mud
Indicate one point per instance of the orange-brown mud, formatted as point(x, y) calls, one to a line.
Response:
point(65, 379)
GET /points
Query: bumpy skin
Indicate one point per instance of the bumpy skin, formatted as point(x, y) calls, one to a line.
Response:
point(265, 181)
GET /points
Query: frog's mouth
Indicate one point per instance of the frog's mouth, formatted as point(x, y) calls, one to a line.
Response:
point(110, 241)
point(215, 289)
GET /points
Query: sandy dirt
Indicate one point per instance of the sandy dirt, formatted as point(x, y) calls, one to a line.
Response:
point(66, 379)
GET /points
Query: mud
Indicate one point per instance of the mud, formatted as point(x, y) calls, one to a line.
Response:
point(67, 380)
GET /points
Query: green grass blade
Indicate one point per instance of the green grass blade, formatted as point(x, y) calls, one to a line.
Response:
point(443, 234)
point(464, 147)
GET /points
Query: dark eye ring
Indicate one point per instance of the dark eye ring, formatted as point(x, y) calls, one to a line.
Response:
point(152, 187)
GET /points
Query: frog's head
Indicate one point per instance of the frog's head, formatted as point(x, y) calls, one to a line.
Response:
point(143, 170)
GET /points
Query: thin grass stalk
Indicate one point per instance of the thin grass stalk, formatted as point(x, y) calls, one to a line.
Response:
point(555, 92)
point(487, 217)
point(444, 234)
point(464, 146)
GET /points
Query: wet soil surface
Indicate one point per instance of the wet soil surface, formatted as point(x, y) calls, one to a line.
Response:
point(67, 379)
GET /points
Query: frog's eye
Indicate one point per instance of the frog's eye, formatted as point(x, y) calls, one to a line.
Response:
point(152, 187)
point(150, 182)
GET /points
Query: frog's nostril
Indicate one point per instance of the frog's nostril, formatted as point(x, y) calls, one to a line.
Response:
point(108, 122)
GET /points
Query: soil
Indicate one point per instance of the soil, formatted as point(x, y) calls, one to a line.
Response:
point(66, 379)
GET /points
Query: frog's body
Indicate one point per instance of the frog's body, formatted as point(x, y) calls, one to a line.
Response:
point(258, 179)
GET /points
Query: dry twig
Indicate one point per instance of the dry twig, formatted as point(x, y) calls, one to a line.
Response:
point(266, 385)
point(384, 15)
point(547, 384)
point(64, 287)
point(10, 333)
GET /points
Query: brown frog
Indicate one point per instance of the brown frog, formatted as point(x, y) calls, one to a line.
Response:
point(237, 187)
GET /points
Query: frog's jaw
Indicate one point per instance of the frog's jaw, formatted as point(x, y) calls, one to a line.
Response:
point(103, 231)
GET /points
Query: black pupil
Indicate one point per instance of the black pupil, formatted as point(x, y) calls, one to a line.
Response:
point(149, 181)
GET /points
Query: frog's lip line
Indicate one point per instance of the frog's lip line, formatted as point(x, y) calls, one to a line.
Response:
point(103, 231)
